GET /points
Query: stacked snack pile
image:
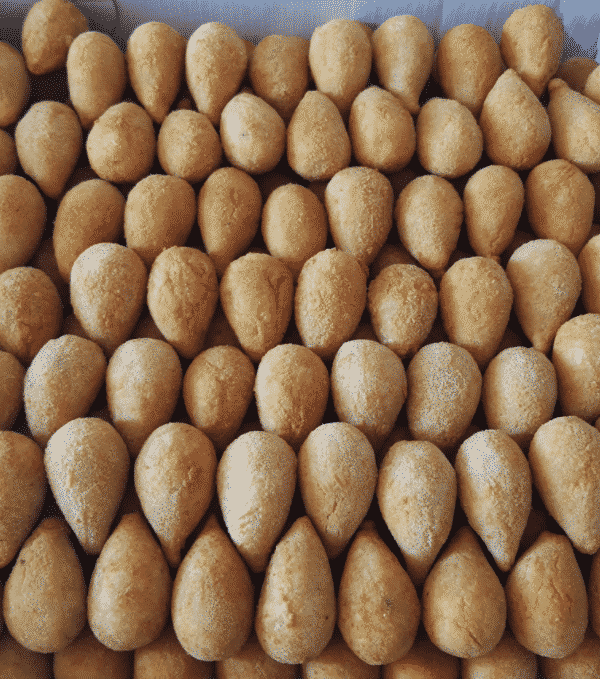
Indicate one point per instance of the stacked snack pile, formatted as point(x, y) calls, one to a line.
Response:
point(304, 338)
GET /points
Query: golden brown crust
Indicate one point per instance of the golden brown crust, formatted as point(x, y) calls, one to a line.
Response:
point(22, 220)
point(296, 610)
point(48, 31)
point(175, 482)
point(212, 577)
point(47, 570)
point(121, 144)
point(318, 144)
point(359, 203)
point(464, 607)
point(337, 661)
point(155, 59)
point(547, 601)
point(256, 479)
point(14, 84)
point(97, 75)
point(229, 209)
point(90, 213)
point(419, 474)
point(61, 384)
point(49, 142)
point(331, 296)
point(516, 128)
point(143, 382)
point(251, 662)
point(291, 388)
point(215, 63)
point(12, 376)
point(23, 491)
point(86, 655)
point(8, 153)
point(87, 462)
point(426, 660)
point(30, 312)
point(378, 607)
point(130, 589)
point(509, 658)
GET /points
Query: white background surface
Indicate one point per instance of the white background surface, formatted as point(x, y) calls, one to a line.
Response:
point(254, 20)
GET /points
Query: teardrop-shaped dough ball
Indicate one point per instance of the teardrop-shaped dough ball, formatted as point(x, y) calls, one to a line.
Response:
point(97, 75)
point(22, 492)
point(47, 571)
point(575, 122)
point(30, 312)
point(464, 607)
point(516, 127)
point(108, 285)
point(576, 358)
point(564, 456)
point(159, 213)
point(449, 140)
point(166, 657)
point(546, 282)
point(143, 382)
point(217, 391)
point(130, 588)
point(18, 661)
point(378, 607)
point(12, 376)
point(294, 226)
point(444, 386)
point(560, 203)
point(121, 145)
point(175, 481)
point(61, 384)
point(519, 392)
point(49, 142)
point(508, 659)
point(49, 28)
point(337, 661)
point(291, 388)
point(382, 130)
point(475, 299)
point(546, 597)
point(331, 296)
point(213, 597)
point(403, 303)
point(416, 492)
point(87, 463)
point(15, 84)
point(256, 479)
point(583, 662)
point(155, 63)
point(468, 80)
point(229, 210)
point(22, 220)
point(89, 213)
point(318, 144)
point(215, 63)
point(337, 474)
point(340, 61)
point(493, 198)
point(575, 71)
point(403, 51)
point(278, 70)
point(257, 296)
point(532, 43)
point(182, 297)
point(188, 146)
point(368, 385)
point(296, 610)
point(429, 214)
point(494, 488)
point(359, 202)
point(87, 657)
